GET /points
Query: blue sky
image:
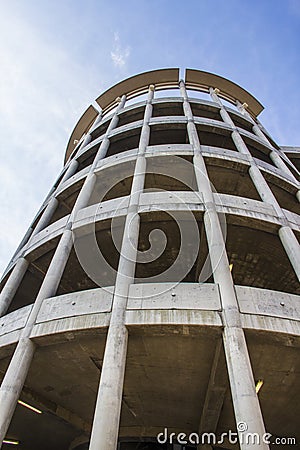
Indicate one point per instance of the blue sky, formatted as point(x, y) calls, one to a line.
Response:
point(58, 56)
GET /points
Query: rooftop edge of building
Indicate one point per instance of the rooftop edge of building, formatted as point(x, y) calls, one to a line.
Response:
point(162, 79)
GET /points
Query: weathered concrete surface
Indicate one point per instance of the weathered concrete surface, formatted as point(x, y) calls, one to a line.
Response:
point(163, 358)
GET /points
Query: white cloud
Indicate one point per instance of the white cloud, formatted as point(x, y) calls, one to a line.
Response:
point(119, 55)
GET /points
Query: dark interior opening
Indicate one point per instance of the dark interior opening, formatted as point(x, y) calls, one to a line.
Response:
point(113, 182)
point(231, 181)
point(296, 161)
point(172, 134)
point(209, 112)
point(33, 278)
point(259, 260)
point(170, 173)
point(132, 115)
point(87, 158)
point(215, 138)
point(167, 109)
point(100, 129)
point(123, 142)
point(172, 248)
point(241, 122)
point(286, 198)
point(67, 201)
point(258, 151)
point(93, 261)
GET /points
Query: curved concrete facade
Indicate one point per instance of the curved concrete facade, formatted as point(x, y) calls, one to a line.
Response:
point(158, 286)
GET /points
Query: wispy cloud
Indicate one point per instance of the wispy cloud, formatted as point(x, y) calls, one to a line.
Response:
point(119, 55)
point(38, 109)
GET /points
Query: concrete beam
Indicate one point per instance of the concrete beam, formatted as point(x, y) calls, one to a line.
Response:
point(45, 405)
point(215, 393)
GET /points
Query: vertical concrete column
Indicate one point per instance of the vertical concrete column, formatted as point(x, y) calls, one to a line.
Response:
point(109, 400)
point(73, 155)
point(98, 120)
point(16, 279)
point(46, 216)
point(90, 181)
point(291, 247)
point(16, 373)
point(22, 264)
point(28, 233)
point(224, 114)
point(287, 238)
point(264, 190)
point(245, 401)
point(82, 143)
point(12, 284)
point(273, 153)
point(13, 382)
point(236, 137)
point(53, 203)
point(86, 141)
point(112, 125)
point(69, 172)
point(49, 195)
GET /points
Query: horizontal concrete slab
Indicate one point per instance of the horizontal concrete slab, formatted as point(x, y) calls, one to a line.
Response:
point(53, 230)
point(293, 218)
point(76, 304)
point(247, 204)
point(172, 296)
point(271, 324)
point(14, 320)
point(160, 304)
point(181, 197)
point(269, 303)
point(174, 318)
